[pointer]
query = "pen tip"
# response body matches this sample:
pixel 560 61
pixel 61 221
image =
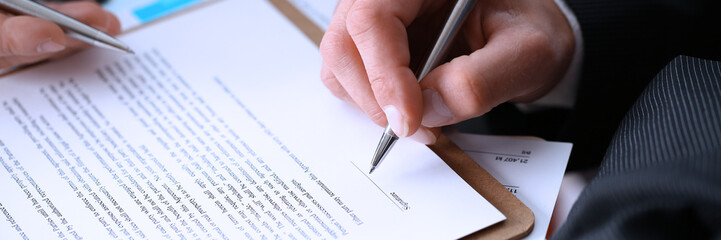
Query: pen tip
pixel 130 51
pixel 372 169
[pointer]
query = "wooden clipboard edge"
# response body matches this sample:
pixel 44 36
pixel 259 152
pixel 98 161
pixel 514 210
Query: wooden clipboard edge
pixel 308 27
pixel 519 218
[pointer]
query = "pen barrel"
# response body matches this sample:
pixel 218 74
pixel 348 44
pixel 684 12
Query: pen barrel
pixel 450 30
pixel 32 8
pixel 81 31
pixel 445 38
pixel 384 145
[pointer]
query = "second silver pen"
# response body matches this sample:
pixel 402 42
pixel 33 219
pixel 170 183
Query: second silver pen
pixel 78 30
pixel 450 29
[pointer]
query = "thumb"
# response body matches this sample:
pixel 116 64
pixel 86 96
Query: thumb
pixel 512 66
pixel 30 36
pixel 454 92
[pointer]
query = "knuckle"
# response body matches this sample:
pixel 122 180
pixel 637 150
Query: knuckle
pixel 478 104
pixel 333 85
pixel 361 19
pixel 473 90
pixel 540 44
pixel 377 116
pixel 331 44
pixel 379 83
pixel 333 54
pixel 10 45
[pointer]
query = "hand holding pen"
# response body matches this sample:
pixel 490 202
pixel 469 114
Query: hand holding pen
pixel 27 39
pixel 506 51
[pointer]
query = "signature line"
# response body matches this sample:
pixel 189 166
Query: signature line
pixel 379 188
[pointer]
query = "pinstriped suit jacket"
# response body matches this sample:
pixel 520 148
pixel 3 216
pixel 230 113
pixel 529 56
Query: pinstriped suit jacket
pixel 626 43
pixel 661 175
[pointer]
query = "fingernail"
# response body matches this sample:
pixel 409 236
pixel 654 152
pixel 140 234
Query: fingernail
pixel 425 136
pixel 48 46
pixel 396 120
pixel 435 111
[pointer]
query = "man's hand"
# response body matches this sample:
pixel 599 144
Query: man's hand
pixel 27 39
pixel 514 51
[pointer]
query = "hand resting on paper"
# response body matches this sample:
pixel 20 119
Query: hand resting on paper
pixel 27 39
pixel 506 51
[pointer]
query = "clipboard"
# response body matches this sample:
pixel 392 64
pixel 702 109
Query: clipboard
pixel 519 218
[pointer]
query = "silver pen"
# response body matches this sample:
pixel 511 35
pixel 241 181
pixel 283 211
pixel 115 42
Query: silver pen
pixel 450 29
pixel 78 30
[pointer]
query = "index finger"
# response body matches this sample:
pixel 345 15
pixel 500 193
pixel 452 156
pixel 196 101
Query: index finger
pixel 378 28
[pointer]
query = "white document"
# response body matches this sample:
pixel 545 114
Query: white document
pixel 218 128
pixel 531 169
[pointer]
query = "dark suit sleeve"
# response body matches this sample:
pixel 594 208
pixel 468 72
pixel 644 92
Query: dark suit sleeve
pixel 661 176
pixel 626 42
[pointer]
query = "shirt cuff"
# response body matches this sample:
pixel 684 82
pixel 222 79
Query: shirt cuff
pixel 563 95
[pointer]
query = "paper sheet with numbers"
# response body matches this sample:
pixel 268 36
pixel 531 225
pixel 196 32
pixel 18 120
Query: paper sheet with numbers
pixel 530 169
